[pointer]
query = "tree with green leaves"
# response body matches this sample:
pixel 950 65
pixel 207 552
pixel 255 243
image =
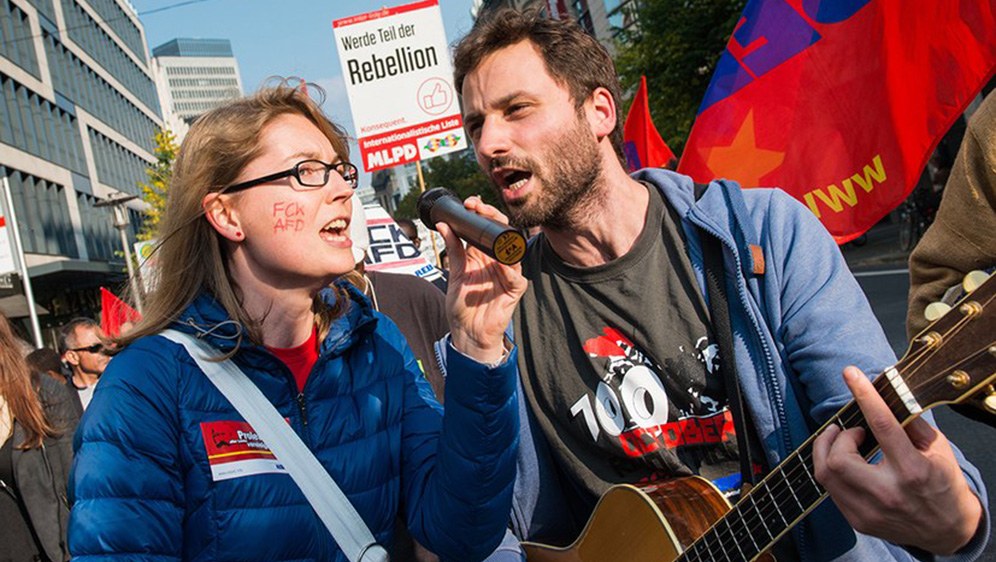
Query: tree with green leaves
pixel 155 189
pixel 459 173
pixel 676 44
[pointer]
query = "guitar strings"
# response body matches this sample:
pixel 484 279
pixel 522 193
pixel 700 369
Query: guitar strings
pixel 768 487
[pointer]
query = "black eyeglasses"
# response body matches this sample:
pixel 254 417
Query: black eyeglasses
pixel 95 348
pixel 310 175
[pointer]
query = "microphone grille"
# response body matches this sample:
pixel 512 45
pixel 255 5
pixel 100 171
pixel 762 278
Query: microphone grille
pixel 427 200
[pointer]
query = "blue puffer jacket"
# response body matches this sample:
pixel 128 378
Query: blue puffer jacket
pixel 796 327
pixel 142 481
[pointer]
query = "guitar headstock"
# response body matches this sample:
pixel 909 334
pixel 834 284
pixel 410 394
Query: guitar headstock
pixel 955 357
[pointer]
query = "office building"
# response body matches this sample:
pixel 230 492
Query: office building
pixel 194 76
pixel 78 115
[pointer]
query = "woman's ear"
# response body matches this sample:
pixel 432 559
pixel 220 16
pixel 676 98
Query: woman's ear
pixel 223 216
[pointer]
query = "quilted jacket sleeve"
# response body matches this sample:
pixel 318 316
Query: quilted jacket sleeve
pixel 457 484
pixel 126 481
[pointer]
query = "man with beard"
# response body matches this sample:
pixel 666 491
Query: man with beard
pixel 618 352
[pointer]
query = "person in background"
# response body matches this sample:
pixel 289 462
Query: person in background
pixel 444 261
pixel 620 354
pixel 962 237
pixel 255 240
pixel 46 361
pixel 83 348
pixel 414 304
pixel 36 429
pixel 410 231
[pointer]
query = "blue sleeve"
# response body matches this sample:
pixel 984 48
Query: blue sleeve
pixel 826 323
pixel 457 483
pixel 824 320
pixel 126 480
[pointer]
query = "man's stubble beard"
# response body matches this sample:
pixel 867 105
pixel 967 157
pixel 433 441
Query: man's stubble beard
pixel 570 178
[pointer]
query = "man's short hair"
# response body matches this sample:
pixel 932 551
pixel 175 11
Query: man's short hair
pixel 407 225
pixel 67 333
pixel 572 57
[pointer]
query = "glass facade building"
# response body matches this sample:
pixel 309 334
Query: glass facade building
pixel 194 76
pixel 78 114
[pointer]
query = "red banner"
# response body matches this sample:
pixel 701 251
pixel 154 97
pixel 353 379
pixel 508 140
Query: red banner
pixel 642 144
pixel 115 313
pixel 840 102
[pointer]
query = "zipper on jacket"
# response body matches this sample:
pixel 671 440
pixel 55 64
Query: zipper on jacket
pixel 438 352
pixel 769 382
pixel 302 406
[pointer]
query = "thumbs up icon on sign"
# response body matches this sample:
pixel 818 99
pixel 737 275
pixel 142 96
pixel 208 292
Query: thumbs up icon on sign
pixel 436 98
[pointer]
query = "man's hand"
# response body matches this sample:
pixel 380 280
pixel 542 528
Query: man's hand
pixel 482 292
pixel 916 496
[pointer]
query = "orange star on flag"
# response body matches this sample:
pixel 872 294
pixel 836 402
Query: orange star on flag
pixel 742 160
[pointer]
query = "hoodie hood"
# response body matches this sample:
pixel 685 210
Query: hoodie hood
pixel 714 209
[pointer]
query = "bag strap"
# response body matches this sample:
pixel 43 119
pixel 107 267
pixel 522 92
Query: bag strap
pixel 719 310
pixel 329 502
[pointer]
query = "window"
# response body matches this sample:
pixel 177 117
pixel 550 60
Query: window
pixel 117 166
pixel 76 81
pixel 87 33
pixel 6 116
pixel 15 37
pixel 43 215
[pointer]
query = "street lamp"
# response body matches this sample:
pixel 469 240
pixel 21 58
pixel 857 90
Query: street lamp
pixel 121 223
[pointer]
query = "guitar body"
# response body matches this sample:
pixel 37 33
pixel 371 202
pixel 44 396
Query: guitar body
pixel 649 524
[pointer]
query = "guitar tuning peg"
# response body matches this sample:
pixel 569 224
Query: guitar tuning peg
pixel 974 280
pixel 990 401
pixel 935 310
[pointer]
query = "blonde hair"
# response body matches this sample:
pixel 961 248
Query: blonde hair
pixel 191 256
pixel 17 391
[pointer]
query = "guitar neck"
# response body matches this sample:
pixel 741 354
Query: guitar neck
pixel 788 493
pixel 953 358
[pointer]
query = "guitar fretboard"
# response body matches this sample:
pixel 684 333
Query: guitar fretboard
pixel 788 493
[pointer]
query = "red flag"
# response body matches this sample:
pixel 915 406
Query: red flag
pixel 642 144
pixel 840 102
pixel 115 312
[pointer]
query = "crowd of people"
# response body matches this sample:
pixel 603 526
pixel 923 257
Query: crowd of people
pixel 43 393
pixel 648 309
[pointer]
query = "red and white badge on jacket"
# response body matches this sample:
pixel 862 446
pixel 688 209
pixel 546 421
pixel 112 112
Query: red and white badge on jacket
pixel 234 450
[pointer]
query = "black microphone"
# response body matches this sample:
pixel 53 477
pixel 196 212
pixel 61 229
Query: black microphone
pixel 495 239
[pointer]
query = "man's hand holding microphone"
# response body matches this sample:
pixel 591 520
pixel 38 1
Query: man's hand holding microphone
pixel 485 282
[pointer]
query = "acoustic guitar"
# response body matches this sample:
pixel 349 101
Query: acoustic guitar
pixel 687 519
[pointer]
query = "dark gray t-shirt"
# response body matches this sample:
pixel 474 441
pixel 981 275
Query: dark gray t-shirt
pixel 620 365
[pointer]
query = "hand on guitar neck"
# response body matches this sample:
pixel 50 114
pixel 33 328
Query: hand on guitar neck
pixel 917 495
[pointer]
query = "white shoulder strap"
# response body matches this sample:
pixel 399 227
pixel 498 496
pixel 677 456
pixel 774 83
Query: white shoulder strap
pixel 331 505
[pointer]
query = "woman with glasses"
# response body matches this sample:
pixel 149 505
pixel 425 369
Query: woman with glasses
pixel 36 428
pixel 253 240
